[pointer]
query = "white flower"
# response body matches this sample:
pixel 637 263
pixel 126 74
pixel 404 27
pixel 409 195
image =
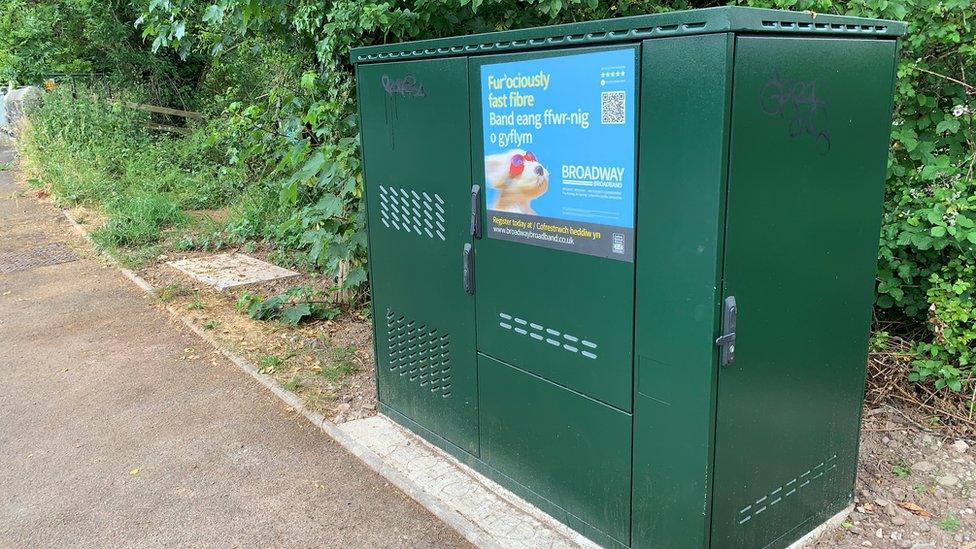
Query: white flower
pixel 960 110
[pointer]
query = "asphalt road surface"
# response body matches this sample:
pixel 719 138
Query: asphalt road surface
pixel 118 427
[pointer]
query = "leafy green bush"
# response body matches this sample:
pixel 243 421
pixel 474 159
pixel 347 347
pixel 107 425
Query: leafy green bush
pixel 291 307
pixel 96 153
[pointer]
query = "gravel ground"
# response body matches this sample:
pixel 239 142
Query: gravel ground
pixel 915 488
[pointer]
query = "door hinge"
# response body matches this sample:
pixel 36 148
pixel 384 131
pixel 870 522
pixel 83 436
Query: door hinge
pixel 726 341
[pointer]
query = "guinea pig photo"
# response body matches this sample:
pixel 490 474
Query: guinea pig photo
pixel 518 178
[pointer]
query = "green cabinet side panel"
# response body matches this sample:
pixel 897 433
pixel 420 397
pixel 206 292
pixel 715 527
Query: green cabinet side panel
pixel 811 120
pixel 568 448
pixel 414 119
pixel 683 150
pixel 589 297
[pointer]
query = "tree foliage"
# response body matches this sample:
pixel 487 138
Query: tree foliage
pixel 296 127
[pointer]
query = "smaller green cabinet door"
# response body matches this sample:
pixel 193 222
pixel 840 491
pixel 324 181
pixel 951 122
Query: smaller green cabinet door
pixel 568 448
pixel 810 127
pixel 414 119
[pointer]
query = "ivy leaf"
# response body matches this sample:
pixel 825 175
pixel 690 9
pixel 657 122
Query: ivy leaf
pixel 214 14
pixel 308 80
pixel 355 277
pixel 159 42
pixel 179 30
pixel 294 314
pixel 329 205
pixel 938 231
pixel 950 125
pixel 288 196
pixel 311 167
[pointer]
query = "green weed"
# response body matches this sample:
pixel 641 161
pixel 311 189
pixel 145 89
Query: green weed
pixel 950 523
pixel 292 384
pixel 138 220
pixel 171 291
pixel 270 363
pixel 338 361
pixel 291 307
pixel 901 469
pixel 197 303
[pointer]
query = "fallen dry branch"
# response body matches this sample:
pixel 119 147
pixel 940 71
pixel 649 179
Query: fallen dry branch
pixel 887 382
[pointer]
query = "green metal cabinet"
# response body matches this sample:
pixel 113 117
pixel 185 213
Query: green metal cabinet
pixel 665 349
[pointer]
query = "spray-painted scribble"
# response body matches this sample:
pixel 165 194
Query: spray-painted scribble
pixel 798 103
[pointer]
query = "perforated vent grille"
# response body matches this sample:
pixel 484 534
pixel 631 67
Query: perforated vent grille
pixel 412 212
pixel 419 352
pixel 824 27
pixel 783 492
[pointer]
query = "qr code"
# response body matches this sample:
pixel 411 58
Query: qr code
pixel 613 107
pixel 618 243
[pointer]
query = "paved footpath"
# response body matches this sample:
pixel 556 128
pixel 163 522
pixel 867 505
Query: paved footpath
pixel 95 384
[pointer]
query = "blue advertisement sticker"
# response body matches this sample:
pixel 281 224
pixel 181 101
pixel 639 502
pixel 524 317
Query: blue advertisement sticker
pixel 559 144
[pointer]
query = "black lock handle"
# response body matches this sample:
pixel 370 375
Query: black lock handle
pixel 476 211
pixel 467 269
pixel 726 341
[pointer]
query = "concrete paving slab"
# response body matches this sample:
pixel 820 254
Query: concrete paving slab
pixel 224 271
pixel 506 519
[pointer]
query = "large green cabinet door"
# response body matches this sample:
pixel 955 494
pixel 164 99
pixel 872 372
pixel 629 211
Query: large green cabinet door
pixel 553 146
pixel 416 143
pixel 810 127
pixel 563 312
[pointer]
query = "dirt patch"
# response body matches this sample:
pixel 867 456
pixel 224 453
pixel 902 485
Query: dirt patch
pixel 915 487
pixel 329 364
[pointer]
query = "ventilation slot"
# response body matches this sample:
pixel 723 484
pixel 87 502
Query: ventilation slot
pixel 420 353
pixel 823 27
pixel 784 492
pixel 548 335
pixel 405 210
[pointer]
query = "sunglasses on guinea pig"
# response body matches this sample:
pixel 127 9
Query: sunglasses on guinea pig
pixel 517 165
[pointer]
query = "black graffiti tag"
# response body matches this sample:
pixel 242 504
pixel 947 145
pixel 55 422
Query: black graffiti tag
pixel 798 103
pixel 407 85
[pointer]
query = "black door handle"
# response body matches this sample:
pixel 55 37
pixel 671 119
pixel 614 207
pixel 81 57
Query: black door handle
pixel 467 269
pixel 476 211
pixel 726 341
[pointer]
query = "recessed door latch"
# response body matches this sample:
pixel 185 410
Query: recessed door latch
pixel 476 211
pixel 726 341
pixel 467 268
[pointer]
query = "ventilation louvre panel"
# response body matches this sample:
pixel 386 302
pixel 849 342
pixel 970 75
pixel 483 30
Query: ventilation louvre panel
pixel 420 353
pixel 419 213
